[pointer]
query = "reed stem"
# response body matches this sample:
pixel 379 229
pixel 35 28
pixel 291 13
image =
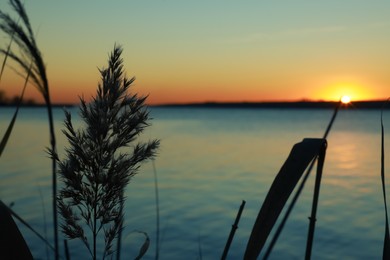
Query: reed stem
pixel 320 165
pixel 386 244
pixel 54 173
pixel 67 255
pixel 300 188
pixel 119 240
pixel 157 212
pixel 233 231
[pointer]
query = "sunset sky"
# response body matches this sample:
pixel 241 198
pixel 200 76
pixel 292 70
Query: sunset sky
pixel 195 51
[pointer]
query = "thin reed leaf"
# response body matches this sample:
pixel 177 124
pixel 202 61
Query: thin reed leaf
pixel 233 230
pixel 28 51
pixel 66 248
pixel 300 188
pixel 44 219
pixel 200 254
pixel 386 244
pixel 15 215
pixel 157 211
pixel 13 245
pixel 313 216
pixel 8 132
pixel 6 57
pixel 300 157
pixel 26 44
pixel 145 246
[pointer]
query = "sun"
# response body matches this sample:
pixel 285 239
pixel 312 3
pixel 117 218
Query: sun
pixel 345 99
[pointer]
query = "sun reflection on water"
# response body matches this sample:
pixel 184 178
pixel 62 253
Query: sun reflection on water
pixel 351 161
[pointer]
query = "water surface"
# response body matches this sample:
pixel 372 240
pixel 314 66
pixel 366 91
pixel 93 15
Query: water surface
pixel 210 160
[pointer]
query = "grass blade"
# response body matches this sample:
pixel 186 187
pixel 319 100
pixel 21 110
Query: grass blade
pixel 13 245
pixel 300 157
pixel 233 230
pixel 320 166
pixel 144 248
pixel 44 219
pixel 11 212
pixel 386 244
pixel 66 248
pixel 157 211
pixel 200 248
pixel 300 188
pixel 7 134
pixel 6 56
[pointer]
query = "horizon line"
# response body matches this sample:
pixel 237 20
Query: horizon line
pixel 290 103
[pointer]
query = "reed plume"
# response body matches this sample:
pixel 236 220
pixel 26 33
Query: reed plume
pixel 101 159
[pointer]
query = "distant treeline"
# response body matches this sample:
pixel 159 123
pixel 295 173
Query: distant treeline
pixel 6 101
pixel 282 105
pixel 9 102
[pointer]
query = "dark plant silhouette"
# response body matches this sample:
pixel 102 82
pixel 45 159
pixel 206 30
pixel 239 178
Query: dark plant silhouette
pixel 300 157
pixel 386 243
pixel 29 58
pixel 102 158
pixel 300 187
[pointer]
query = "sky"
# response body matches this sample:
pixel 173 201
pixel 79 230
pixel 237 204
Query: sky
pixel 217 50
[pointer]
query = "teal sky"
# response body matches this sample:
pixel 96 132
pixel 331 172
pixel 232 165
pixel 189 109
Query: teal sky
pixel 190 51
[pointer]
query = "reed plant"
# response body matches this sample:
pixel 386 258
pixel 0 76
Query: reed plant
pixel 102 157
pixel 29 58
pixel 386 242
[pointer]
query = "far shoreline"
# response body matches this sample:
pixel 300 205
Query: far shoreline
pixel 281 105
pixel 240 105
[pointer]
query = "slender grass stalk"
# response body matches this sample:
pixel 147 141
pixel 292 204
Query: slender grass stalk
pixel 386 244
pixel 301 155
pixel 44 219
pixel 8 132
pixel 157 211
pixel 28 51
pixel 144 248
pixel 67 254
pixel 233 230
pixel 336 110
pixel 6 56
pixel 312 218
pixel 200 247
pixel 119 239
pixel 300 188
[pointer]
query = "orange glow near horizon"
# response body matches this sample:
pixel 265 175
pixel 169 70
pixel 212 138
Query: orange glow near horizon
pixel 354 90
pixel 166 96
pixel 160 92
